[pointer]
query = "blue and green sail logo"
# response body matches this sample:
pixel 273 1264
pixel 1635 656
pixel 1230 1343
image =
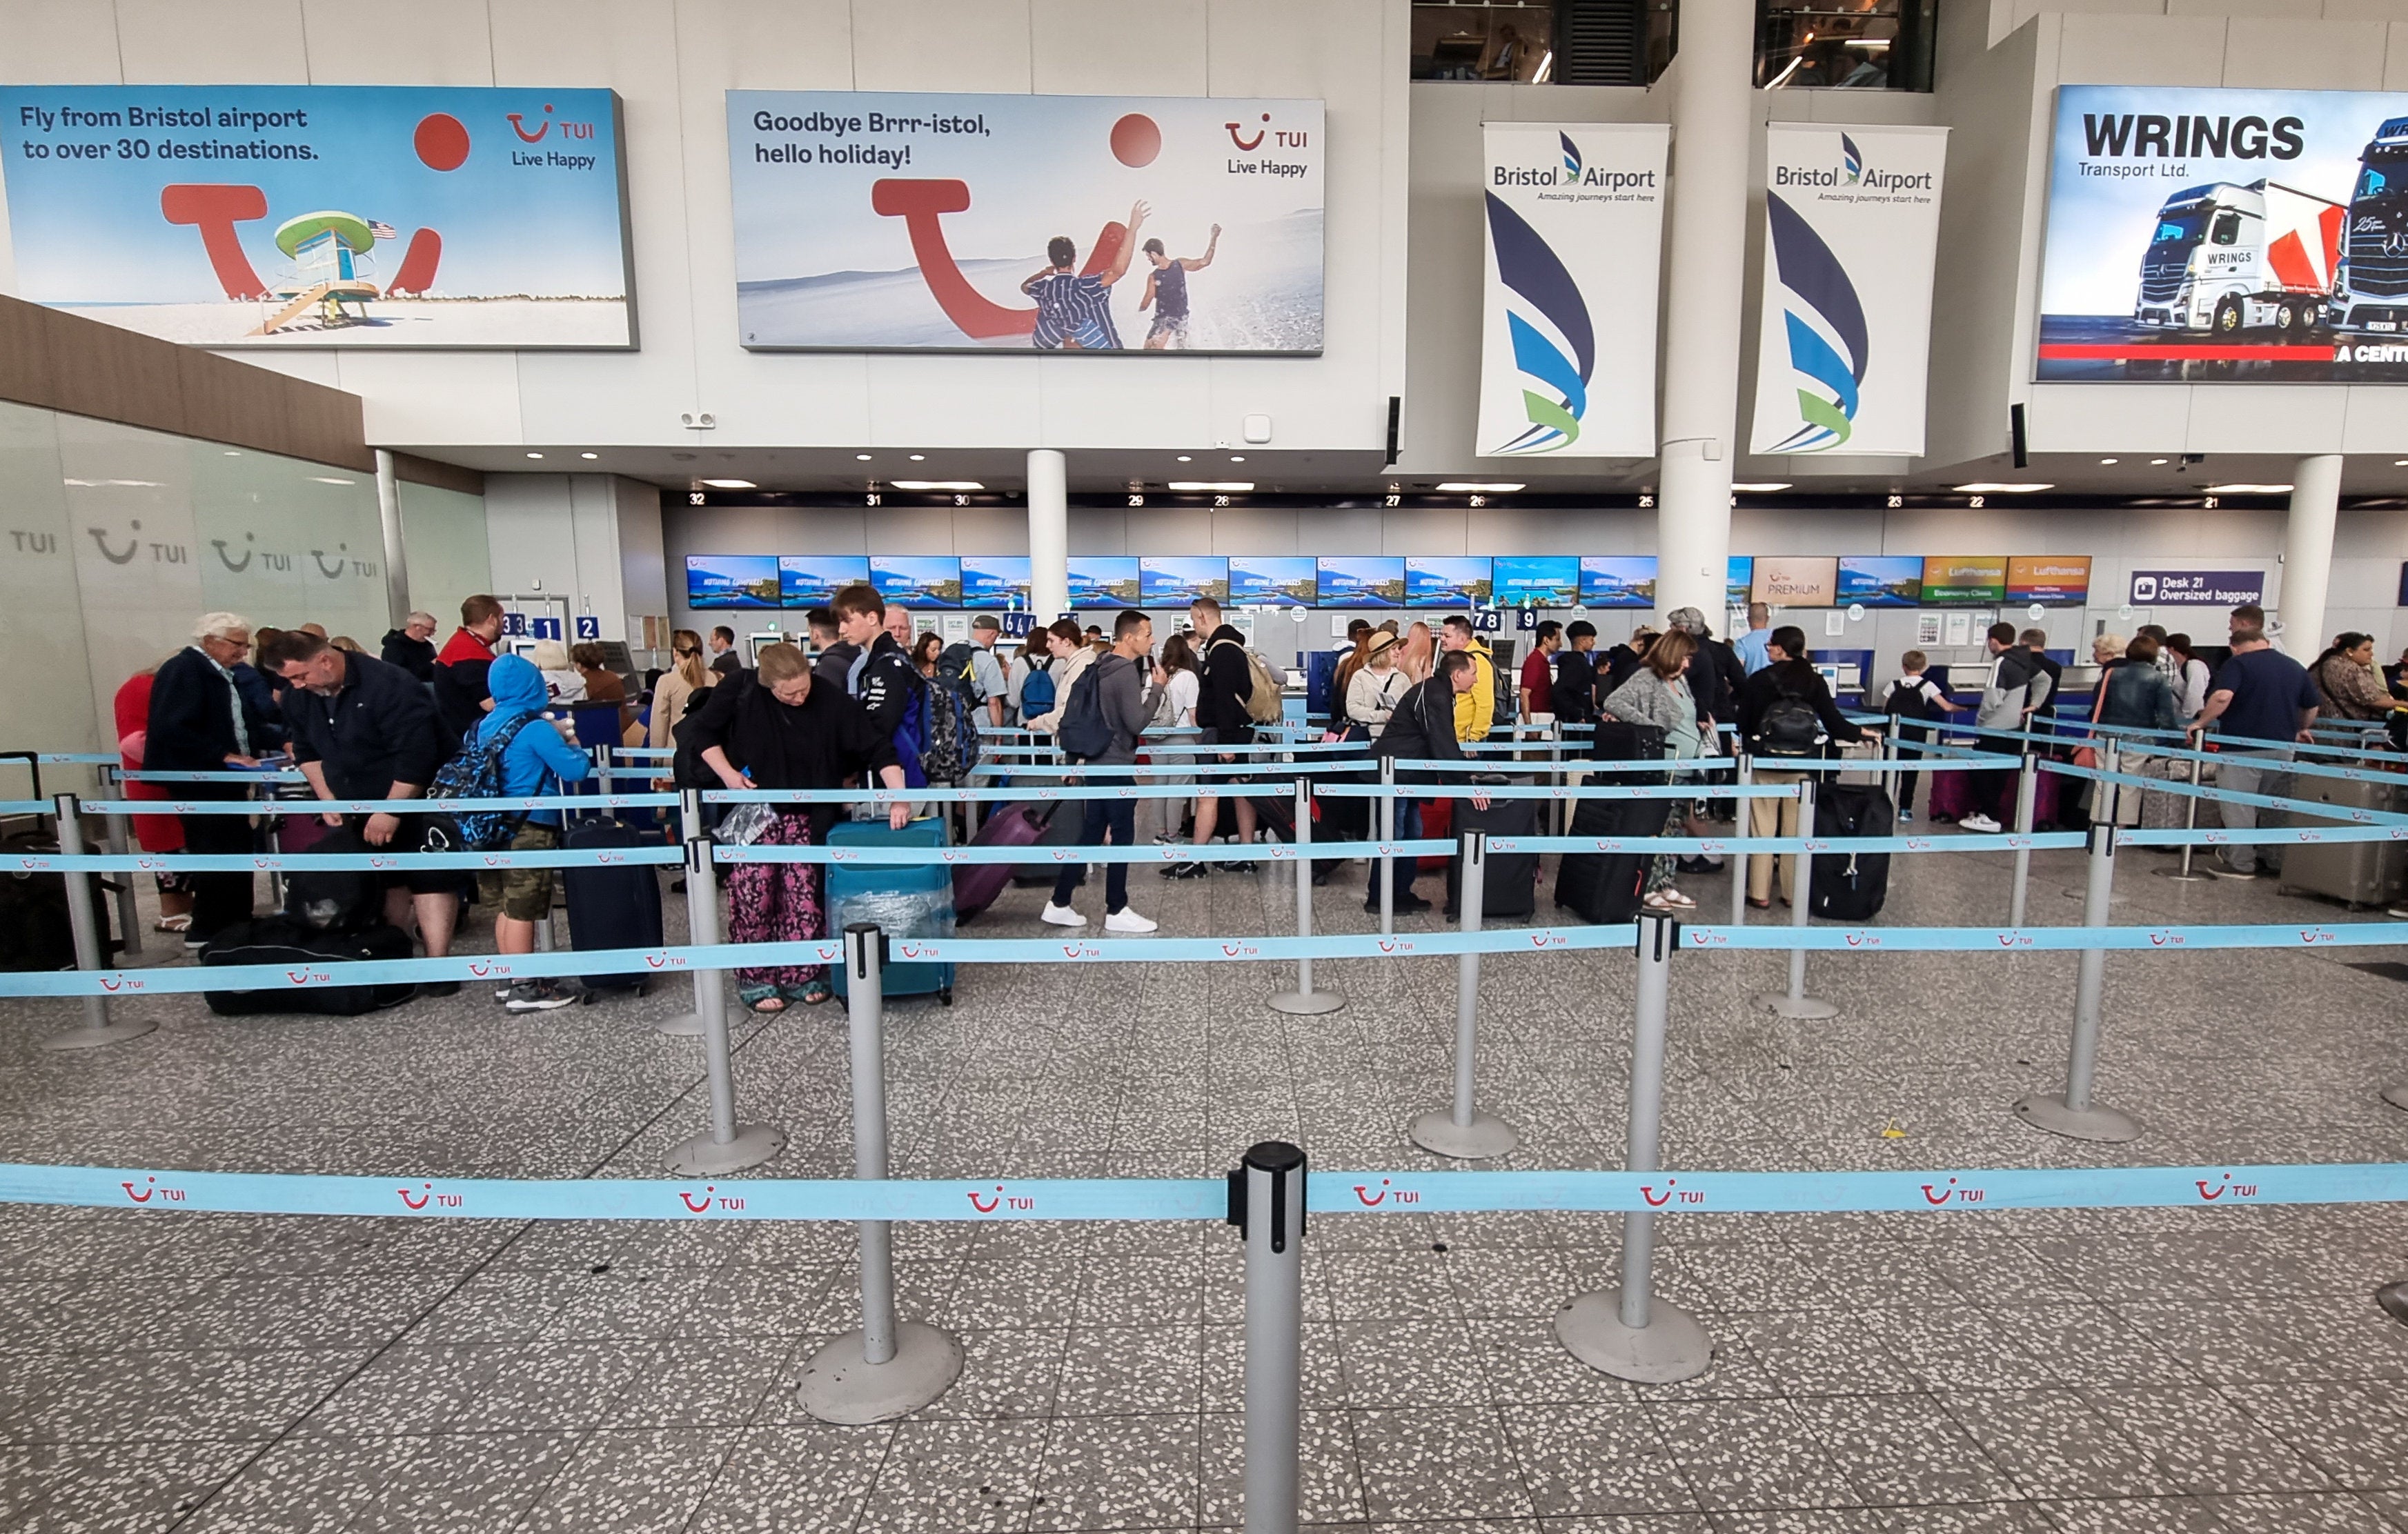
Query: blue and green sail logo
pixel 1854 157
pixel 1554 344
pixel 1824 322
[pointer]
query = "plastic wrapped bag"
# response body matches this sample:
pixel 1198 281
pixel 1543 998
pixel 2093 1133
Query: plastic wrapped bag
pixel 922 912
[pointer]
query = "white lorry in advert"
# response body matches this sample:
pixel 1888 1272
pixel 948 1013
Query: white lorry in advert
pixel 2229 258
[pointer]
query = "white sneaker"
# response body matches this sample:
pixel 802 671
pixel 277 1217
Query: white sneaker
pixel 1062 916
pixel 1125 919
pixel 1982 823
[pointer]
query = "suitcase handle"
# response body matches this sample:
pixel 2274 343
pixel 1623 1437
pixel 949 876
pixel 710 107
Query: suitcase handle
pixel 32 760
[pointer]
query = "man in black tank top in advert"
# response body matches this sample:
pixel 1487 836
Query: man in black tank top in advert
pixel 1165 293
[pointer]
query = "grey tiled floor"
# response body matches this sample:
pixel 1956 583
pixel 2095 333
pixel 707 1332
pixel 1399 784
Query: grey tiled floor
pixel 2136 1371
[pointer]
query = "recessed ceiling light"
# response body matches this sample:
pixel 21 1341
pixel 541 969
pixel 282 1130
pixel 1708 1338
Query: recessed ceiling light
pixel 1992 487
pixel 1762 486
pixel 1190 457
pixel 1211 484
pixel 1501 487
pixel 233 452
pixel 919 457
pixel 2158 463
pixel 1236 458
pixel 861 458
pixel 535 455
pixel 121 484
pixel 2111 460
pixel 589 457
pixel 938 485
pixel 330 479
pixel 2249 489
pixel 2400 462
pixel 731 484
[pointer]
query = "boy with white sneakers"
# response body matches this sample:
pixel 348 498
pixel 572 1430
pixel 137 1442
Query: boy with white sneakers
pixel 1108 707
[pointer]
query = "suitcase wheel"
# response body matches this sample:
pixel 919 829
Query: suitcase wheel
pixel 945 996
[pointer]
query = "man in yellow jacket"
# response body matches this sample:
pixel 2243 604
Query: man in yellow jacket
pixel 1474 710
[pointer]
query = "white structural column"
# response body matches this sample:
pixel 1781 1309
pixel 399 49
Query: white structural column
pixel 1049 534
pixel 1713 118
pixel 2307 555
pixel 397 564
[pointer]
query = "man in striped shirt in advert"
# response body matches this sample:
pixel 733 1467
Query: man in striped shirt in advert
pixel 1075 312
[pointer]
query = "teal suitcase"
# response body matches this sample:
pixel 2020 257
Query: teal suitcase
pixel 906 901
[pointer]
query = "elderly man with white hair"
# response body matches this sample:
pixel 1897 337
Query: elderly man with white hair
pixel 197 725
pixel 411 646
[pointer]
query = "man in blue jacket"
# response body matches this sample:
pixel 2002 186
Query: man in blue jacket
pixel 534 755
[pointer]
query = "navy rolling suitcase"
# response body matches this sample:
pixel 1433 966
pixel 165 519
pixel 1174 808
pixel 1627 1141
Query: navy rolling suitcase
pixel 614 907
pixel 907 900
pixel 1605 887
pixel 1509 886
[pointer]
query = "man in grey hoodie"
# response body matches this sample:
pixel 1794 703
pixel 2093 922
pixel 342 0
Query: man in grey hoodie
pixel 2018 685
pixel 1120 687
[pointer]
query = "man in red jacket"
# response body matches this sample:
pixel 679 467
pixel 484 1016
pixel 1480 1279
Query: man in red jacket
pixel 462 698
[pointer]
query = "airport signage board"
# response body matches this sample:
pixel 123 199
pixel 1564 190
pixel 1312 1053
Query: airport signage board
pixel 2052 580
pixel 2197 587
pixel 1962 580
pixel 2206 234
pixel 1851 223
pixel 1879 580
pixel 1792 580
pixel 1574 215
pixel 234 215
pixel 882 221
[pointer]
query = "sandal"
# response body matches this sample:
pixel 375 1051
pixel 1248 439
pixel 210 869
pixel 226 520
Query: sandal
pixel 174 924
pixel 816 992
pixel 762 1000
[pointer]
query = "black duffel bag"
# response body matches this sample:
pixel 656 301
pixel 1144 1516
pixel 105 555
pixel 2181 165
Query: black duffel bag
pixel 300 949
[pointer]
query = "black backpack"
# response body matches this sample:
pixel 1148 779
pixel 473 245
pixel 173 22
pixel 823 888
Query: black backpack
pixel 336 899
pixel 1906 701
pixel 1789 728
pixel 1082 731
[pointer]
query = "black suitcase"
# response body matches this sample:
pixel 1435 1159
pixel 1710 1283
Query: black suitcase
pixel 335 900
pixel 1616 741
pixel 296 946
pixel 1605 887
pixel 35 931
pixel 1850 886
pixel 1509 887
pixel 613 907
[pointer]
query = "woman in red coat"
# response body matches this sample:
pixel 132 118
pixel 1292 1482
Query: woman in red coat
pixel 152 832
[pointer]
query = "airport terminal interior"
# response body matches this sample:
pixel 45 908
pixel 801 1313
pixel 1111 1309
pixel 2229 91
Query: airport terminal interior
pixel 1679 806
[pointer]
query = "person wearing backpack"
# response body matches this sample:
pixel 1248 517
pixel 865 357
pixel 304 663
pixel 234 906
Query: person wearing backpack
pixel 1028 686
pixel 1107 710
pixel 1915 703
pixel 1784 710
pixel 1224 717
pixel 882 678
pixel 529 760
pixel 1072 659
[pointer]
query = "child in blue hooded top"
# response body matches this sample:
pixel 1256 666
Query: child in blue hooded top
pixel 536 763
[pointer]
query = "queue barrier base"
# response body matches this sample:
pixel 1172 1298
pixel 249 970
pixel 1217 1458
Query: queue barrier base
pixel 841 1386
pixel 1797 1008
pixel 1669 1348
pixel 705 1157
pixel 2397 1096
pixel 685 1025
pixel 1485 1136
pixel 2047 1111
pixel 94 1035
pixel 1304 1003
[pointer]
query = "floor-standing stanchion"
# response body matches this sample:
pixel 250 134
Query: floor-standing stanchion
pixel 2397 1096
pixel 1557 814
pixel 1267 1205
pixel 888 1366
pixel 726 1146
pixel 1462 1130
pixel 606 776
pixel 701 916
pixel 100 1024
pixel 129 910
pixel 2071 1112
pixel 1626 1332
pixel 2026 790
pixel 1742 778
pixel 1304 1001
pixel 1795 1003
pixel 2191 827
pixel 1387 865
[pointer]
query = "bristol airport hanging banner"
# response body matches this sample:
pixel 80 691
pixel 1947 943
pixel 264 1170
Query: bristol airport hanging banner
pixel 1575 216
pixel 2204 236
pixel 871 221
pixel 322 215
pixel 1852 219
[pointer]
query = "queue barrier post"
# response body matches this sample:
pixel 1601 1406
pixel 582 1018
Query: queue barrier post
pixel 1462 1130
pixel 886 1367
pixel 1304 1001
pixel 1743 777
pixel 1387 864
pixel 2027 790
pixel 727 1145
pixel 129 910
pixel 2071 1112
pixel 1626 1331
pixel 101 1025
pixel 1267 1205
pixel 2190 824
pixel 1793 1003
pixel 701 916
pixel 1558 812
pixel 606 776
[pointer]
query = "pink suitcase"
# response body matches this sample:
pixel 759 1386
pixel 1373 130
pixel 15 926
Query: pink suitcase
pixel 975 886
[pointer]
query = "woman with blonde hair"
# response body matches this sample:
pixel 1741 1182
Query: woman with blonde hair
pixel 673 696
pixel 1418 654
